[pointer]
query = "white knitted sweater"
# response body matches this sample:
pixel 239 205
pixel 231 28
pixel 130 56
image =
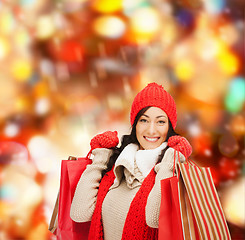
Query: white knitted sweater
pixel 131 167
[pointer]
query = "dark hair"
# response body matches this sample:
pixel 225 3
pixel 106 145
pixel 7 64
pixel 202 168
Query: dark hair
pixel 131 138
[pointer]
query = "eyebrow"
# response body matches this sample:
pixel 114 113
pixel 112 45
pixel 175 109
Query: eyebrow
pixel 156 117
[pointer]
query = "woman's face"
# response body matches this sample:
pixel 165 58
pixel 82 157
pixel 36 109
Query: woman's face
pixel 152 128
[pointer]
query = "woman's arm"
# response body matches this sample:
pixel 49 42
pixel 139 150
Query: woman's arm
pixel 85 197
pixel 164 170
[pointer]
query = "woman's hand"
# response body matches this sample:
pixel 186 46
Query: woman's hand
pixel 104 140
pixel 180 144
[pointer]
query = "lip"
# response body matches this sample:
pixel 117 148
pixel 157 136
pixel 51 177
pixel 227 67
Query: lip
pixel 151 139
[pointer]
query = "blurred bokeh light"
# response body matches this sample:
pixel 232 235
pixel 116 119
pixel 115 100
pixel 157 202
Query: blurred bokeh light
pixel 69 69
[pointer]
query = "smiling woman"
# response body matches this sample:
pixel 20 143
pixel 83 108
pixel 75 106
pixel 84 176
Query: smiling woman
pixel 152 128
pixel 122 185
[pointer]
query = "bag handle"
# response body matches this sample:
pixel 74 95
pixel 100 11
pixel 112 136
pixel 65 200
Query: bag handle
pixel 87 157
pixel 188 161
pixel 54 219
pixel 89 154
pixel 176 163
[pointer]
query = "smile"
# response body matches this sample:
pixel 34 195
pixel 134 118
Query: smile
pixel 151 139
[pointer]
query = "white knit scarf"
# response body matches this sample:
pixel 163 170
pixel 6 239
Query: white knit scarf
pixel 145 159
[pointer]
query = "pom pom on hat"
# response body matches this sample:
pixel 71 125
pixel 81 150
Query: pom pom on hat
pixel 154 95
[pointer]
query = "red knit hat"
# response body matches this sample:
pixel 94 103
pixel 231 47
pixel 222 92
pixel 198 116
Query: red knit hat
pixel 154 95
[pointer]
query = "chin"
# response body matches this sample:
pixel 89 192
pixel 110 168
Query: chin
pixel 149 147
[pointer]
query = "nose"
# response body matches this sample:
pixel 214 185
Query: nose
pixel 152 128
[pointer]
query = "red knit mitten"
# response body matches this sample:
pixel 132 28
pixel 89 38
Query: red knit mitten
pixel 104 140
pixel 180 144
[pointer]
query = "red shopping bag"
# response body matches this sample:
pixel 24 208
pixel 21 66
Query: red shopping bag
pixel 62 225
pixel 175 220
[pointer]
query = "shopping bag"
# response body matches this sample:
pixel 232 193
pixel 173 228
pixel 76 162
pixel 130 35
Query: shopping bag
pixel 204 201
pixel 61 224
pixel 175 220
pixel 190 206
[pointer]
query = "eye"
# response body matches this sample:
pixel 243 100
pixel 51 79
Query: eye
pixel 142 120
pixel 161 122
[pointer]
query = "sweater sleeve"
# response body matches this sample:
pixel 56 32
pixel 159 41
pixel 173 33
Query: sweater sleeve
pixel 164 169
pixel 85 196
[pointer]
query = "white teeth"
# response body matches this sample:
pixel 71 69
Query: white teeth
pixel 151 139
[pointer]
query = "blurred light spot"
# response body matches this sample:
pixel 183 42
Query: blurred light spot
pixel 8 193
pixel 22 103
pixel 237 125
pixel 235 97
pixel 72 6
pixel 228 62
pixel 81 136
pixel 11 130
pixel 6 21
pixel 22 38
pixel 229 33
pixel 59 20
pixel 93 79
pixel 215 6
pixel 4 48
pixel 228 145
pixel 78 1
pixel 51 186
pixel 43 153
pixel 62 71
pixel 27 197
pixel 13 153
pixel 113 66
pixel 32 195
pixel 47 67
pixel 107 6
pixel 168 34
pixel 115 102
pixel 208 153
pixel 127 87
pixel 109 26
pixel 130 6
pixel 41 89
pixel 184 70
pixel 45 27
pixel 194 130
pixel 69 51
pixel 202 143
pixel 19 222
pixel 42 106
pixel 233 200
pixel 25 3
pixel 208 48
pixel 145 23
pixel 21 70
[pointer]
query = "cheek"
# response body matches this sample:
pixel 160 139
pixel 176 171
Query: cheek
pixel 138 132
pixel 164 132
